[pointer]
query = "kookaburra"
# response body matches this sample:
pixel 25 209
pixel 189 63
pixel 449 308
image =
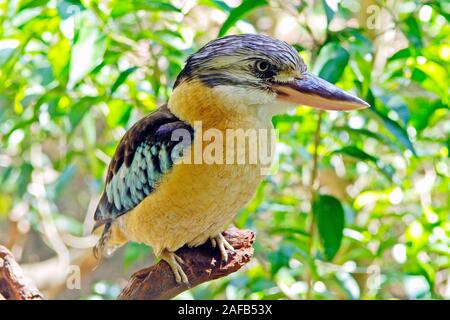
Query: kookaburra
pixel 235 82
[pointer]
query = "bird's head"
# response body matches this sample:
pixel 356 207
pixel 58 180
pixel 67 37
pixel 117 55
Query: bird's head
pixel 257 71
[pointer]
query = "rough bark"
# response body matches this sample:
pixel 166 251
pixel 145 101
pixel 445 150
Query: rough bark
pixel 13 283
pixel 201 264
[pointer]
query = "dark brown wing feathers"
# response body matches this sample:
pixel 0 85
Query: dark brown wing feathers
pixel 143 155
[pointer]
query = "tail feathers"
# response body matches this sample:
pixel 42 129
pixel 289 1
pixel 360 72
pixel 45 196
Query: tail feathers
pixel 111 239
pixel 101 215
pixel 103 241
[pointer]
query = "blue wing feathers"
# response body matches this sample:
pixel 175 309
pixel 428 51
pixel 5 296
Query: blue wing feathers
pixel 142 157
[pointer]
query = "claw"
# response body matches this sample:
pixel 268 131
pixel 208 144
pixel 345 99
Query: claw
pixel 223 245
pixel 175 263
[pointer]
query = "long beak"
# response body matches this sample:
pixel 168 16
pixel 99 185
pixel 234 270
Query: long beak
pixel 316 92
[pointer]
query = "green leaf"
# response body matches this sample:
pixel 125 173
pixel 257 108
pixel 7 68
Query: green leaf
pixel 398 131
pixel 287 118
pixel 239 12
pixel 87 51
pixel 396 103
pixel 29 4
pixel 281 256
pixel 443 7
pixel 7 50
pixel 331 62
pixel 375 135
pixel 357 153
pixel 121 79
pixel 59 57
pixel 124 7
pixel 216 4
pixel 63 180
pixel 24 178
pixel 287 230
pixel 79 109
pixel 119 113
pixel 412 32
pixel 401 54
pixel 418 75
pixel 330 221
pixel 328 12
pixel 422 109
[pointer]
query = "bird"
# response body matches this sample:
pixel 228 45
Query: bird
pixel 153 195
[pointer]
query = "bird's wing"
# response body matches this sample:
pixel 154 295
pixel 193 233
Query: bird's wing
pixel 146 152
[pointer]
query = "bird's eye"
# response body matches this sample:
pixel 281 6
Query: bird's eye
pixel 264 69
pixel 262 66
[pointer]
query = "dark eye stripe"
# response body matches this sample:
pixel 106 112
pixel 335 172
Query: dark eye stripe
pixel 246 49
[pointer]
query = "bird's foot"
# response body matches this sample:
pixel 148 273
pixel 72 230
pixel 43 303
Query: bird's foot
pixel 222 243
pixel 175 263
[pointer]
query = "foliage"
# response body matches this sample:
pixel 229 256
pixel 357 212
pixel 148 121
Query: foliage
pixel 74 75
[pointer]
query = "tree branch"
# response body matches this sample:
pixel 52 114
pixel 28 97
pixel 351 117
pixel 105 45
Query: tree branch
pixel 201 264
pixel 13 283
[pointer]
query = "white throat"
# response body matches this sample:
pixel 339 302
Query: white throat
pixel 264 105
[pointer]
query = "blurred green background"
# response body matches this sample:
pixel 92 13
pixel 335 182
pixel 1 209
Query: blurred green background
pixel 75 75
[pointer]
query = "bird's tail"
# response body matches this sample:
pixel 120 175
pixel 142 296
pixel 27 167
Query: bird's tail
pixel 111 238
pixel 103 241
